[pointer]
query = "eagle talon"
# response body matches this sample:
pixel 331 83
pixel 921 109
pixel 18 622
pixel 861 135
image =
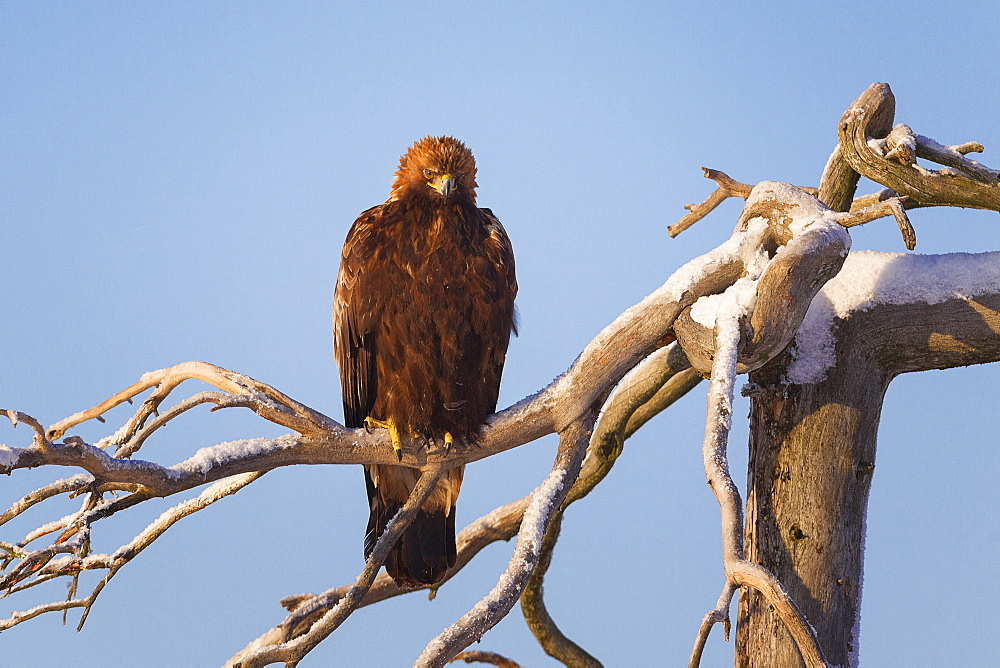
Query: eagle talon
pixel 390 426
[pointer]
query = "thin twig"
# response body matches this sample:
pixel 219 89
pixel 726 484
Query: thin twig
pixel 727 188
pixel 491 658
pixel 17 417
pixel 890 207
pixel 64 486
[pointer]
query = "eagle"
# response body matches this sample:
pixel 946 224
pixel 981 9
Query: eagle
pixel 423 312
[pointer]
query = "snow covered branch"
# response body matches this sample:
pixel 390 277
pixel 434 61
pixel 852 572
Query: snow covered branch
pixel 582 389
pixel 545 502
pixel 650 388
pixel 736 305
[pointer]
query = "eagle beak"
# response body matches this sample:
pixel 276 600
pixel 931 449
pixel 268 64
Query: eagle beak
pixel 444 184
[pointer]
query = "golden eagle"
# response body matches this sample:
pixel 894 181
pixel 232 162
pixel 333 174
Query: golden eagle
pixel 423 312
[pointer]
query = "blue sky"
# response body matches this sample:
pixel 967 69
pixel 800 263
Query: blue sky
pixel 176 183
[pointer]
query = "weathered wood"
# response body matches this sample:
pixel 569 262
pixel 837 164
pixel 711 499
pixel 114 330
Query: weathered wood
pixel 840 180
pixel 812 456
pixel 862 122
pixel 812 250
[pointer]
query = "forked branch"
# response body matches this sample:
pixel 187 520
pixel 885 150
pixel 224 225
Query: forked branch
pixel 292 651
pixel 735 307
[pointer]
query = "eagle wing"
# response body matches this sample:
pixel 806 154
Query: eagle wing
pixel 355 317
pixel 500 254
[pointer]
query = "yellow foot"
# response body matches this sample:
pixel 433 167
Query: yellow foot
pixel 448 441
pixel 390 426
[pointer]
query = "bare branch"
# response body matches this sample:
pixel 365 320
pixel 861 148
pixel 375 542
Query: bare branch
pixel 652 386
pixel 727 188
pixel 17 417
pixel 890 207
pixel 555 643
pixel 291 652
pixel 128 448
pixel 485 657
pixel 717 615
pixel 840 180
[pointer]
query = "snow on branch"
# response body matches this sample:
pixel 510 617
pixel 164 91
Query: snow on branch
pixel 545 502
pixel 581 390
pixel 870 146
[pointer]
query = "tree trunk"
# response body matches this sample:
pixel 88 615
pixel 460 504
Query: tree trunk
pixel 812 455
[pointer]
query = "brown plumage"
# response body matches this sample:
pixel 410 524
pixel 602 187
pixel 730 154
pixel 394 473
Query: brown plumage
pixel 423 311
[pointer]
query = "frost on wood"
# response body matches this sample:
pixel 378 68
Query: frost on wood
pixel 8 457
pixel 543 504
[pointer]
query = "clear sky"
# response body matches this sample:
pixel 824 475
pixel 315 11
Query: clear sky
pixel 176 181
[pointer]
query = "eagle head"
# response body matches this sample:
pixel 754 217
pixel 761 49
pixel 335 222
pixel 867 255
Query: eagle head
pixel 437 168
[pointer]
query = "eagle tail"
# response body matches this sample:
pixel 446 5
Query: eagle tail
pixel 424 552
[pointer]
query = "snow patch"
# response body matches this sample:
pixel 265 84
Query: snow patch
pixel 877 145
pixel 871 279
pixel 706 310
pixel 540 508
pixel 8 457
pixel 206 459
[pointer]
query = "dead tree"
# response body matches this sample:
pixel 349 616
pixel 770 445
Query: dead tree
pixel 777 300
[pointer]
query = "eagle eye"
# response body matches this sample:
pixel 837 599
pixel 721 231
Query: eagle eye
pixel 428 173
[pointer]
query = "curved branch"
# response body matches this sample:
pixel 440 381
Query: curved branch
pixel 486 657
pixel 651 387
pixel 727 188
pixel 64 486
pixel 860 125
pixel 542 626
pixel 17 417
pixel 802 246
